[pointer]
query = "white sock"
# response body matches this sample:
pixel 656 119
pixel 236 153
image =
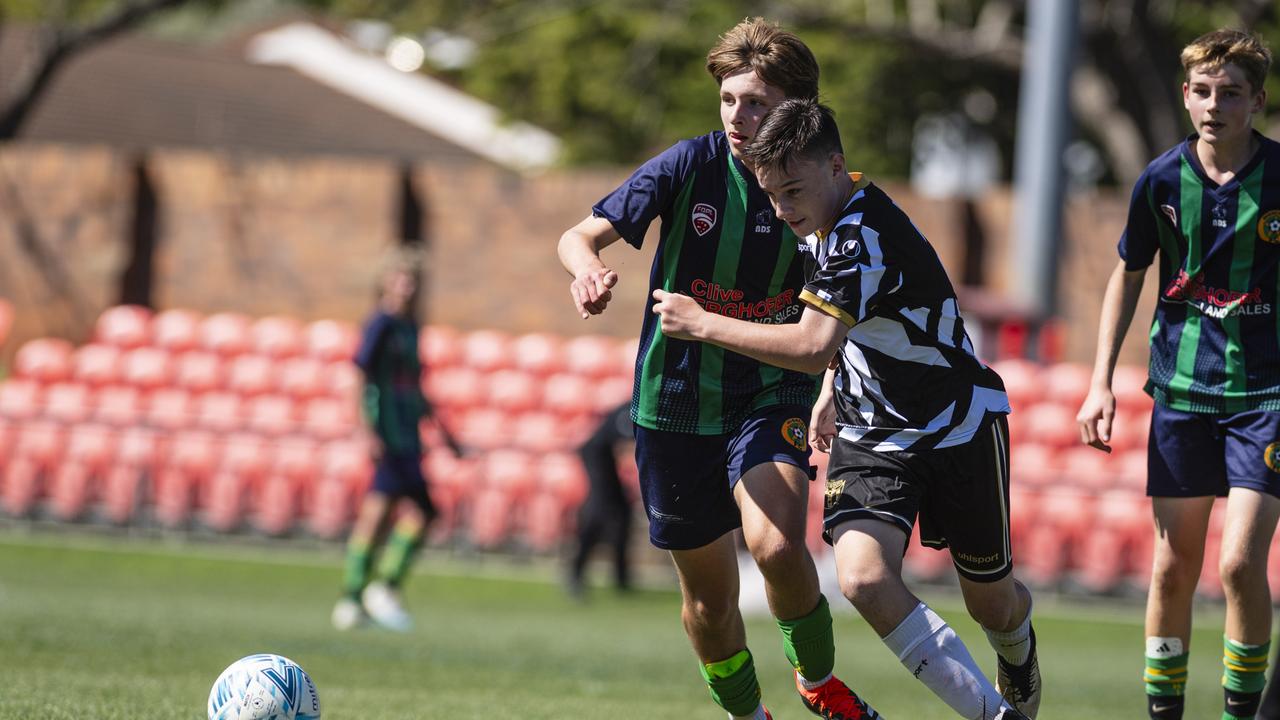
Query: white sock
pixel 931 651
pixel 1014 646
pixel 757 715
pixel 808 684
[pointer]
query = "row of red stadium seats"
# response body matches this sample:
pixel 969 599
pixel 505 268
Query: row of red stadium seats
pixel 1066 384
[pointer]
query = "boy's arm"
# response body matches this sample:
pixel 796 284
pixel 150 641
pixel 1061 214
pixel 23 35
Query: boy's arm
pixel 822 421
pixel 1099 408
pixel 806 346
pixel 579 251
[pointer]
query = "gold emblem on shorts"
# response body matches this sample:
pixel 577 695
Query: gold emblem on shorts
pixel 1271 456
pixel 1269 226
pixel 794 432
pixel 835 488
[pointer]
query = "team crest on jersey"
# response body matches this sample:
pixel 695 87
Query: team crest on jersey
pixel 1269 226
pixel 704 218
pixel 794 432
pixel 835 488
pixel 850 248
pixel 764 221
pixel 1271 456
pixel 1170 213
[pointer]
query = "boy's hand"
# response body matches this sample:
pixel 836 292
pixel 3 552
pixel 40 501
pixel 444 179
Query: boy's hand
pixel 591 290
pixel 822 423
pixel 1095 418
pixel 680 314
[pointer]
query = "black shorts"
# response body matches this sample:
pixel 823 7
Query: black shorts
pixel 960 493
pixel 399 475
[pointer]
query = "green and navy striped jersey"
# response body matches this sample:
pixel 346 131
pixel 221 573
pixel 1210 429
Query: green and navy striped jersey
pixel 393 399
pixel 1215 338
pixel 720 244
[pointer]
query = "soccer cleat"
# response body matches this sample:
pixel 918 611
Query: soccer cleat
pixel 1010 714
pixel 347 614
pixel 1020 684
pixel 383 605
pixel 834 700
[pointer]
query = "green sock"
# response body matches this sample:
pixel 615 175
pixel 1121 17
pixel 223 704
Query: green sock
pixel 1166 677
pixel 733 683
pixel 809 642
pixel 397 556
pixel 1243 677
pixel 356 570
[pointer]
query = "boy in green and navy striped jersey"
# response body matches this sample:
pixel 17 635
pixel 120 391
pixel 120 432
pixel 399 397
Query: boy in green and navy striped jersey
pixel 1210 208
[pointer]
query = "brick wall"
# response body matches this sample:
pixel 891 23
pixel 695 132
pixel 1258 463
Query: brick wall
pixel 306 236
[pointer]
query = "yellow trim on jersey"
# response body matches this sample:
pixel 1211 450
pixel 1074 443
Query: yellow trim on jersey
pixel 818 303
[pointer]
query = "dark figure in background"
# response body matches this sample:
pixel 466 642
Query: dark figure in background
pixel 606 513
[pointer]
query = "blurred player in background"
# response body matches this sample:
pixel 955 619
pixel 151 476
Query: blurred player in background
pixel 1211 208
pixel 393 407
pixel 720 437
pixel 914 422
pixel 606 513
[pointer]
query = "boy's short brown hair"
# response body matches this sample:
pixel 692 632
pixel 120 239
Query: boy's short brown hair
pixel 779 57
pixel 1215 49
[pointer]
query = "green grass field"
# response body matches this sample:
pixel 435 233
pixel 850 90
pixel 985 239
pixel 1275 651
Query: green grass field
pixel 138 630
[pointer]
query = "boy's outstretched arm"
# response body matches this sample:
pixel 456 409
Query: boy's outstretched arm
pixel 579 252
pixel 806 346
pixel 1098 411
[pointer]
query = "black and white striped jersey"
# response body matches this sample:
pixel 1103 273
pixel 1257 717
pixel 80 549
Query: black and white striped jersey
pixel 908 377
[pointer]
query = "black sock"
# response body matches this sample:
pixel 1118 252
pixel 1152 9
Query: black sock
pixel 1165 707
pixel 1241 704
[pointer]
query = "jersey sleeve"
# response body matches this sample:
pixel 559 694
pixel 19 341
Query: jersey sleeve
pixel 370 339
pixel 854 279
pixel 1140 239
pixel 649 192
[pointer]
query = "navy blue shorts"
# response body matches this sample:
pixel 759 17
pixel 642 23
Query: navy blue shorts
pixel 1200 454
pixel 399 475
pixel 687 481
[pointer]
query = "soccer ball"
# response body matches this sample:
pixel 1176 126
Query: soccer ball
pixel 264 687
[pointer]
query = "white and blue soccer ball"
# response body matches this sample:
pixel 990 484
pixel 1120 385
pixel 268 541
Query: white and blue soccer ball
pixel 264 687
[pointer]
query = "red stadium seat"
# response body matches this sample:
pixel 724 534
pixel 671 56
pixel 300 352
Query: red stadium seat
pixel 67 402
pixel 439 346
pixel 563 474
pixel 547 523
pixel 191 461
pixel 19 486
pixel 96 364
pixel 1033 465
pixel 344 380
pixel 276 336
pixel 242 465
pixel 121 484
pixel 1053 543
pixel 45 360
pixel 1067 384
pixel 925 563
pixel 271 415
pixel 328 419
pixel 1052 424
pixel 1131 469
pixel 331 505
pixel 513 390
pixel 1127 384
pixel 6 320
pixel 1089 468
pixel 485 429
pixel 177 331
pixel 1023 381
pixel 198 371
pixel 251 374
pixel 170 409
pixel 146 367
pixel 612 392
pixel 295 457
pixel 627 350
pixel 301 378
pixel 275 504
pixel 489 521
pixel 225 333
pixel 591 355
pixel 70 487
pixel 125 326
pixel 1130 429
pixel 1112 550
pixel 330 340
pixel 455 388
pixel 20 399
pixel 538 353
pixel 487 350
pixel 569 395
pixel 512 471
pixel 118 405
pixel 219 411
pixel 541 432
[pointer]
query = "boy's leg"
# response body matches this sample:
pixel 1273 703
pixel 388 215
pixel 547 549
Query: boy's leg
pixel 869 564
pixel 1246 541
pixel 1180 526
pixel 709 609
pixel 373 512
pixel 1003 609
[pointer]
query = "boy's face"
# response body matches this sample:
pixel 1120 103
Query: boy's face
pixel 744 100
pixel 1221 103
pixel 807 194
pixel 398 287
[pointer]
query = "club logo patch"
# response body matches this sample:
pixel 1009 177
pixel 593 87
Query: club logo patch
pixel 794 432
pixel 704 218
pixel 1269 226
pixel 1271 456
pixel 835 488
